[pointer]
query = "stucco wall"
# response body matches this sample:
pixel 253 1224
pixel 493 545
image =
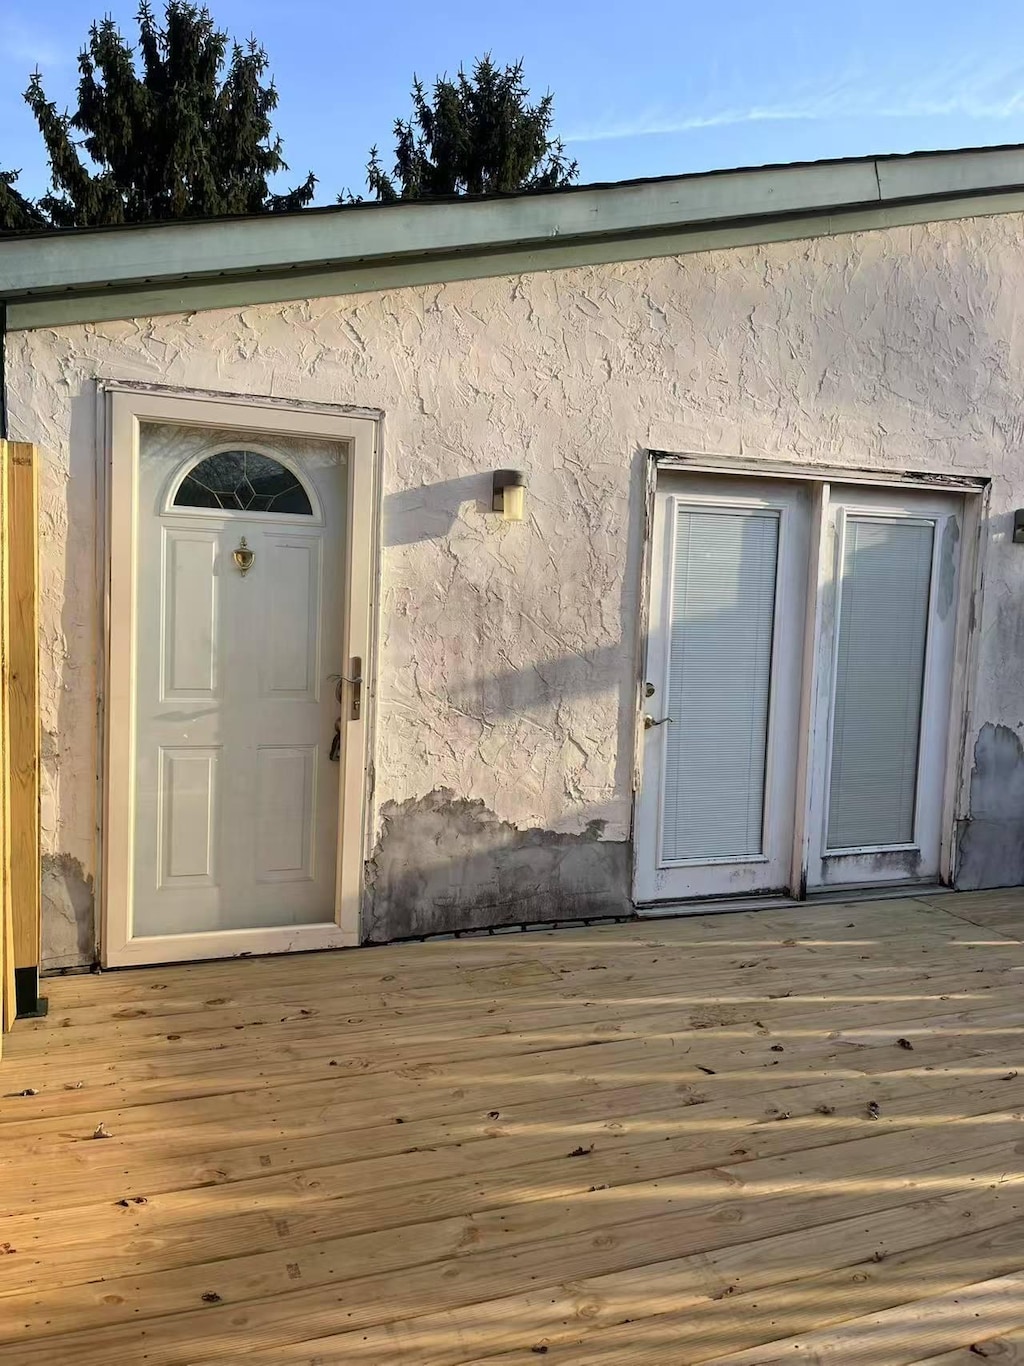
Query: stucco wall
pixel 507 651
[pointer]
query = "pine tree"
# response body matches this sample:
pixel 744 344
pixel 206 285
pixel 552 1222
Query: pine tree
pixel 17 214
pixel 476 135
pixel 184 134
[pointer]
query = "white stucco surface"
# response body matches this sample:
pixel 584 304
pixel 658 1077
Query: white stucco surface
pixel 508 652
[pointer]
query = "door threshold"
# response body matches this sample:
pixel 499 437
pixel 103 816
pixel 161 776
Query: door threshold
pixel 828 896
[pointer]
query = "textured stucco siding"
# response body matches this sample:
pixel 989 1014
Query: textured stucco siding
pixel 507 652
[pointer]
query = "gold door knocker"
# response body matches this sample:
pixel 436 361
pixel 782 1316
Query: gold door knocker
pixel 243 557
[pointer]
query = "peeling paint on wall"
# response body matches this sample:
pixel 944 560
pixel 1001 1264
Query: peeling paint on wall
pixel 991 850
pixel 443 863
pixel 68 913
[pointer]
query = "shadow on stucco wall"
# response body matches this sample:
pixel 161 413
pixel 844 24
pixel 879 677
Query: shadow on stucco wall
pixel 429 512
pixel 444 860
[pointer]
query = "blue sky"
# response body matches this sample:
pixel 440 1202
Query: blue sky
pixel 646 88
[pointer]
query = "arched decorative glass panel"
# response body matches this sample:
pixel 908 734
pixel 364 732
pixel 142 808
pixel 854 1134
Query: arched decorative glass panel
pixel 243 481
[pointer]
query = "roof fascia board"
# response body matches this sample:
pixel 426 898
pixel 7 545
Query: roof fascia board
pixel 234 292
pixel 279 243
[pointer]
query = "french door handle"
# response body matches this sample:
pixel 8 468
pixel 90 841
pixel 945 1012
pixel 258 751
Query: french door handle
pixel 650 723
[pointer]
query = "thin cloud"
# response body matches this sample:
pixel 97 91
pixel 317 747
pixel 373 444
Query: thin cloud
pixel 989 94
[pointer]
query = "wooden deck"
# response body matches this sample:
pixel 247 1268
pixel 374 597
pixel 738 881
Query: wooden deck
pixel 748 1138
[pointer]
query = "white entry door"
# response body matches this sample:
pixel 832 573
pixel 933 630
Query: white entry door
pixel 716 808
pixel 239 597
pixel 798 687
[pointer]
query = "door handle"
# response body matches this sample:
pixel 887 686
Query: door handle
pixel 355 681
pixel 650 723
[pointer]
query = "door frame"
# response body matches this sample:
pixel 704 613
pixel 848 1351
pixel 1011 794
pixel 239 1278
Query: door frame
pixel 126 406
pixel 975 491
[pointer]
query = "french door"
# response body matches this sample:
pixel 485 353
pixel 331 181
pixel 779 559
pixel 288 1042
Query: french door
pixel 798 687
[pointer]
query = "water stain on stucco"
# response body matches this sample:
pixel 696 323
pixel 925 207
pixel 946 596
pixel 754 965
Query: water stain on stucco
pixel 991 850
pixel 69 933
pixel 947 566
pixel 445 863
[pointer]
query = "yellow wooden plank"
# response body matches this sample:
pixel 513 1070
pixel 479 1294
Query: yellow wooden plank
pixel 23 683
pixel 8 1003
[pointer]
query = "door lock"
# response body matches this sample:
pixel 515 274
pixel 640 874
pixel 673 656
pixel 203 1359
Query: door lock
pixel 355 682
pixel 650 723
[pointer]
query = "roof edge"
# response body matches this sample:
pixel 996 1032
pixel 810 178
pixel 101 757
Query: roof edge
pixel 416 242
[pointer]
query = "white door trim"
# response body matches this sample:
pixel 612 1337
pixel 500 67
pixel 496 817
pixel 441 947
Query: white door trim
pixel 126 408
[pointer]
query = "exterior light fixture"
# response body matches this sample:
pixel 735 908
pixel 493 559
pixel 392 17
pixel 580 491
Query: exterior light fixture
pixel 509 495
pixel 1018 525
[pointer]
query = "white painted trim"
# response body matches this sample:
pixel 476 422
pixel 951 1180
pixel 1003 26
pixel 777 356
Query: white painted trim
pixel 128 407
pixel 703 462
pixel 190 948
pixel 817 550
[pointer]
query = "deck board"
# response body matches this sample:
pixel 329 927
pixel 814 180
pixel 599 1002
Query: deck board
pixel 638 1143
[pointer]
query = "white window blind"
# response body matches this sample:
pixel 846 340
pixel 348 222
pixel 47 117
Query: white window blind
pixel 720 651
pixel 883 631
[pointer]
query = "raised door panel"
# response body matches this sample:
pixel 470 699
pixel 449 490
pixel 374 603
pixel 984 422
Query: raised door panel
pixel 290 639
pixel 189 613
pixel 285 805
pixel 187 816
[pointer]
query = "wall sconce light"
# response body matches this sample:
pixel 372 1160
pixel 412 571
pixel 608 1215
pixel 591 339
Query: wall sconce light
pixel 1018 527
pixel 509 494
